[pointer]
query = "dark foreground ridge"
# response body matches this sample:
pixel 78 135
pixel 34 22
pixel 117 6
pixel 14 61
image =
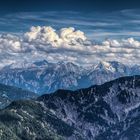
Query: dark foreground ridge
pixel 107 112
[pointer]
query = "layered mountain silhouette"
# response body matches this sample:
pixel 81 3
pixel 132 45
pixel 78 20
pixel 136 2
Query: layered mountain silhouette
pixel 110 111
pixel 9 94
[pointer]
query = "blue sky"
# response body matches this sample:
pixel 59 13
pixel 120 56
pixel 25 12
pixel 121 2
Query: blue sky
pixel 96 25
pixel 99 19
pixel 84 32
pixel 72 5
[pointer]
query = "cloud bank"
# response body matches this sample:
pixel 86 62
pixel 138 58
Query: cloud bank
pixel 66 44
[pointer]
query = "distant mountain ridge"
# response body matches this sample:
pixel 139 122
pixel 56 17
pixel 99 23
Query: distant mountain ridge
pixel 44 77
pixel 9 94
pixel 101 112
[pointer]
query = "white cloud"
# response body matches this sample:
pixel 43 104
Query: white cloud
pixel 67 44
pixel 66 37
pixel 9 43
pixel 130 42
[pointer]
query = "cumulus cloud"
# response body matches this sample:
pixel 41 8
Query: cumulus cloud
pixel 9 43
pixel 66 37
pixel 66 44
pixel 130 43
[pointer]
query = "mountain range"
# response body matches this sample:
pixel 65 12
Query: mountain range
pixel 9 94
pixel 110 111
pixel 43 77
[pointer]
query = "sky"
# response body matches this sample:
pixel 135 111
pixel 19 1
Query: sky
pixel 80 31
pixel 72 5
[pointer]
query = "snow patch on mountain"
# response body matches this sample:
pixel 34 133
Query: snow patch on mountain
pixel 45 77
